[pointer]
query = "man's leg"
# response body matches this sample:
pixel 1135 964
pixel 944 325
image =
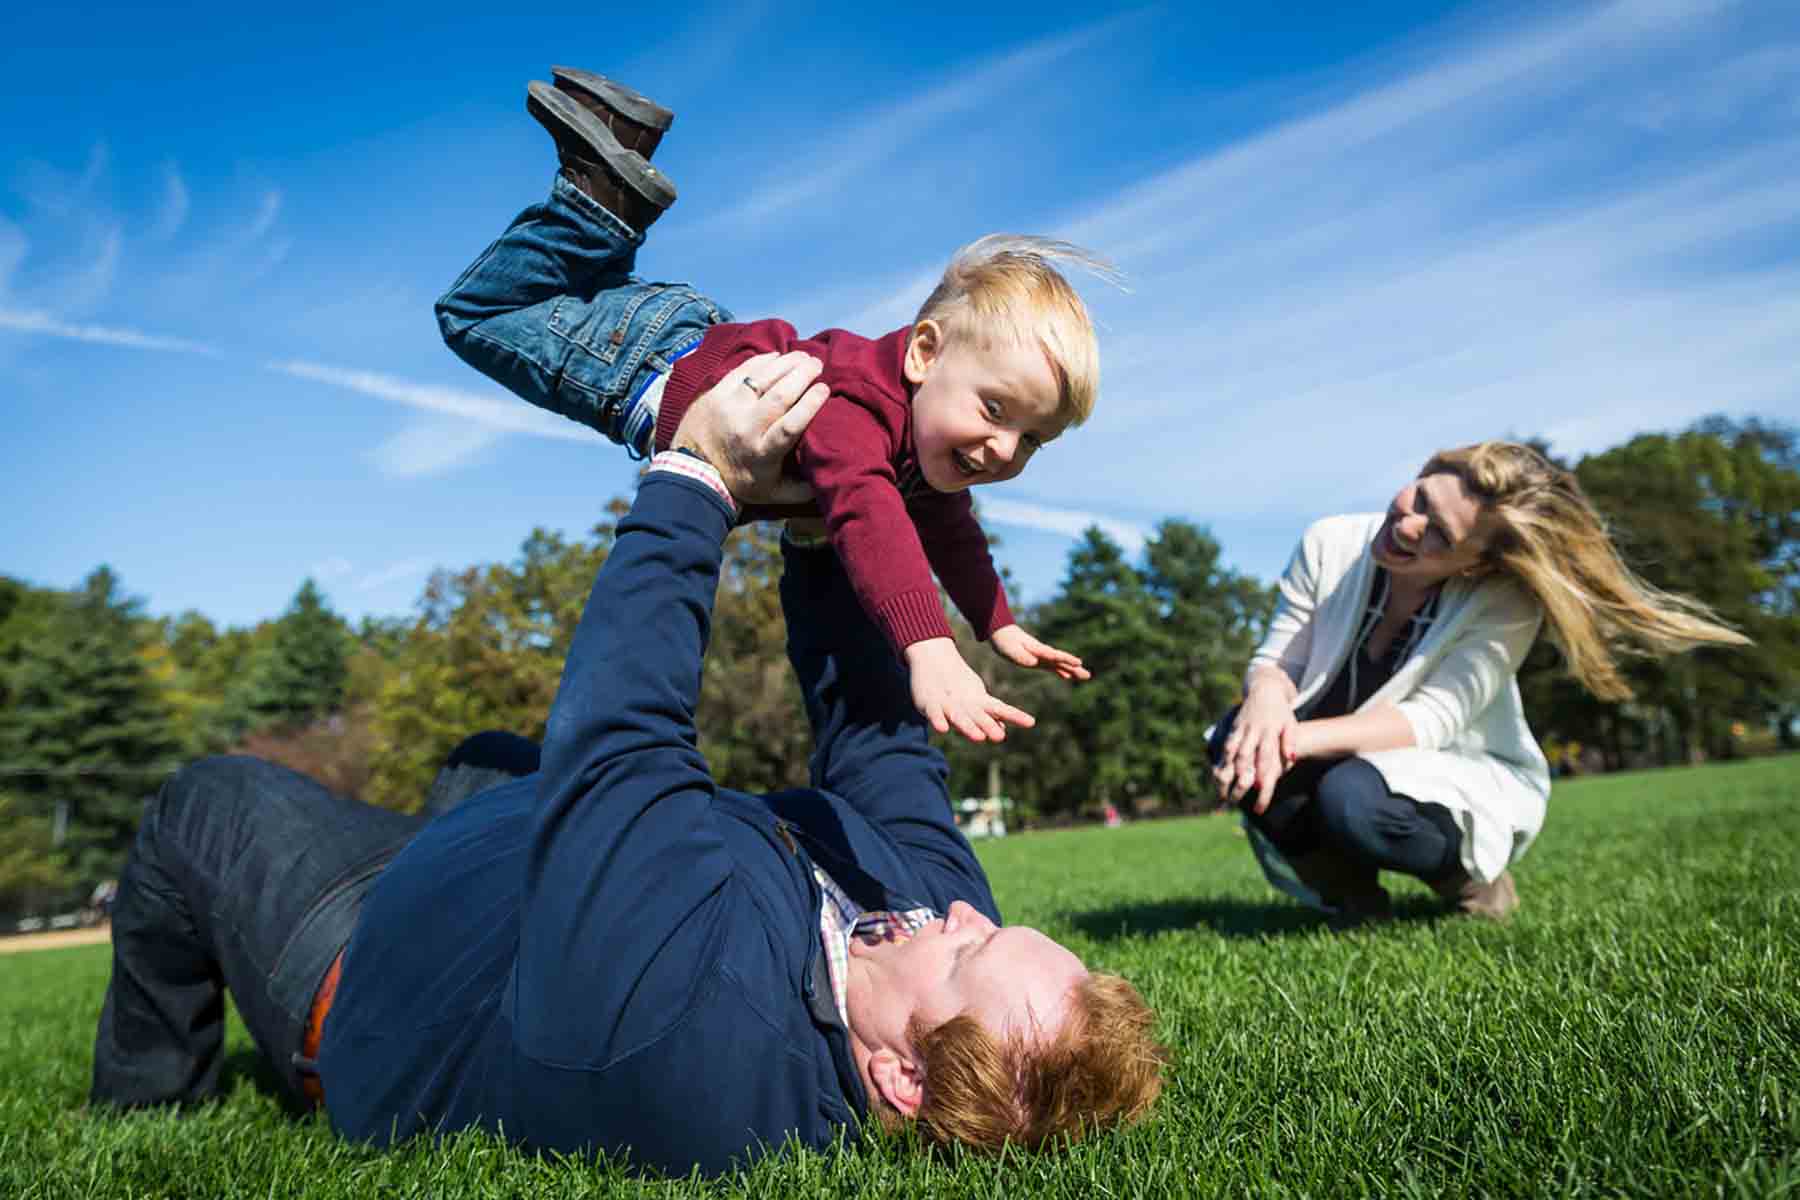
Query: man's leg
pixel 479 762
pixel 245 876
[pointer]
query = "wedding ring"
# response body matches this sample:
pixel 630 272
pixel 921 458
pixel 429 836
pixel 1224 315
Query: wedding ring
pixel 751 384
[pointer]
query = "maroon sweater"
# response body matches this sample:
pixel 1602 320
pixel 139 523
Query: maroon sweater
pixel 889 528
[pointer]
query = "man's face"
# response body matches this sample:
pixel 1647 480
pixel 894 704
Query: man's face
pixel 1014 980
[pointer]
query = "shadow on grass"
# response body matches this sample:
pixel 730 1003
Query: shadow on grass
pixel 1231 918
pixel 250 1066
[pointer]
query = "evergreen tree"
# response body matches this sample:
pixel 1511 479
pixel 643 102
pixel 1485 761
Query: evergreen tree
pixel 29 865
pixel 1105 614
pixel 85 733
pixel 1211 618
pixel 1040 770
pixel 300 675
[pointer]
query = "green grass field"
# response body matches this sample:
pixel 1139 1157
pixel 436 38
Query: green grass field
pixel 1634 1031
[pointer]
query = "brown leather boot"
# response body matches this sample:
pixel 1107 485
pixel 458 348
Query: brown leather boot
pixel 1354 890
pixel 619 180
pixel 636 120
pixel 1495 901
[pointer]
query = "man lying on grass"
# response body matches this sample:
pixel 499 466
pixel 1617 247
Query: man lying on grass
pixel 613 953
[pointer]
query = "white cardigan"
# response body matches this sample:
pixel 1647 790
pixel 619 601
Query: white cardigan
pixel 1473 753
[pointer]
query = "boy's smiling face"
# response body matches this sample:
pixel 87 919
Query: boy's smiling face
pixel 979 411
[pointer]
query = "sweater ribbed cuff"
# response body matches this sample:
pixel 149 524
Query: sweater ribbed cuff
pixel 911 617
pixel 999 618
pixel 692 373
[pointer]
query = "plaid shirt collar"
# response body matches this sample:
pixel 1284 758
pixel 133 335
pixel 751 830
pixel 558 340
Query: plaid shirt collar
pixel 840 920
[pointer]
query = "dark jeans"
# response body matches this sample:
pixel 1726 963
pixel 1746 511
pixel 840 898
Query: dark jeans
pixel 247 876
pixel 480 762
pixel 1344 804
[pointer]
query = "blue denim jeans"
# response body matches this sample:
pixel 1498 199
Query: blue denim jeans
pixel 248 877
pixel 552 311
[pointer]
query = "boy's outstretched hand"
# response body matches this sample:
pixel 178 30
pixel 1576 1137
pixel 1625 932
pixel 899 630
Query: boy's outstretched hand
pixel 1020 647
pixel 948 692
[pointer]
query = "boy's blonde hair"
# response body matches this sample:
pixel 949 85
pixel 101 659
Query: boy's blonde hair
pixel 1006 286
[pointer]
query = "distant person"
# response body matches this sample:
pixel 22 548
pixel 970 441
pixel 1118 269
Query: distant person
pixel 1381 727
pixel 1000 360
pixel 613 952
pixel 100 900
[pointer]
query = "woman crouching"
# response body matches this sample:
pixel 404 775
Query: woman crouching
pixel 1381 727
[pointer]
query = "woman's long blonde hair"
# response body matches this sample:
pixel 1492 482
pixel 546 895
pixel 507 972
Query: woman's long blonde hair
pixel 1548 535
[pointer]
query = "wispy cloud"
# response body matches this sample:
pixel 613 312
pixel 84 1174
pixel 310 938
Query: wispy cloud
pixel 411 568
pixel 338 569
pixel 1472 86
pixel 1070 523
pixel 90 281
pixel 268 211
pixel 858 147
pixel 430 448
pixel 424 448
pixel 239 251
pixel 708 43
pixel 84 262
pixel 173 205
pixel 492 411
pixel 14 245
pixel 70 226
pixel 60 193
pixel 1492 242
pixel 132 339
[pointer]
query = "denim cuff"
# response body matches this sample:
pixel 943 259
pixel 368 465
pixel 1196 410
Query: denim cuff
pixel 564 194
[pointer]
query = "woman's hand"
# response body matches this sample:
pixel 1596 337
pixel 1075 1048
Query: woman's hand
pixel 1263 741
pixel 747 424
pixel 947 692
pixel 1017 646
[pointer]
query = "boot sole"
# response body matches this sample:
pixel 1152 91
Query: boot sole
pixel 633 106
pixel 565 117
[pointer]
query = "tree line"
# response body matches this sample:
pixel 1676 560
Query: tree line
pixel 101 700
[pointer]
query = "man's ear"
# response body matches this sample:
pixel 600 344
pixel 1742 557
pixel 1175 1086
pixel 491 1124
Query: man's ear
pixel 923 349
pixel 900 1081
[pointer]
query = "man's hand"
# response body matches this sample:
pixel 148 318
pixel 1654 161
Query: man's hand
pixel 749 422
pixel 947 692
pixel 1014 644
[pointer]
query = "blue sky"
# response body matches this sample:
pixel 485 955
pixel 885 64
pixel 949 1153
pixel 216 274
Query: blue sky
pixel 1351 234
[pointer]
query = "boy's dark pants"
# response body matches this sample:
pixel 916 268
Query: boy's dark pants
pixel 247 876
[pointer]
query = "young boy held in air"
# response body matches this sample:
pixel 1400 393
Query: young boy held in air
pixel 1000 360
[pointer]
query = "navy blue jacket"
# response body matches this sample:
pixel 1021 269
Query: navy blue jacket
pixel 616 954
